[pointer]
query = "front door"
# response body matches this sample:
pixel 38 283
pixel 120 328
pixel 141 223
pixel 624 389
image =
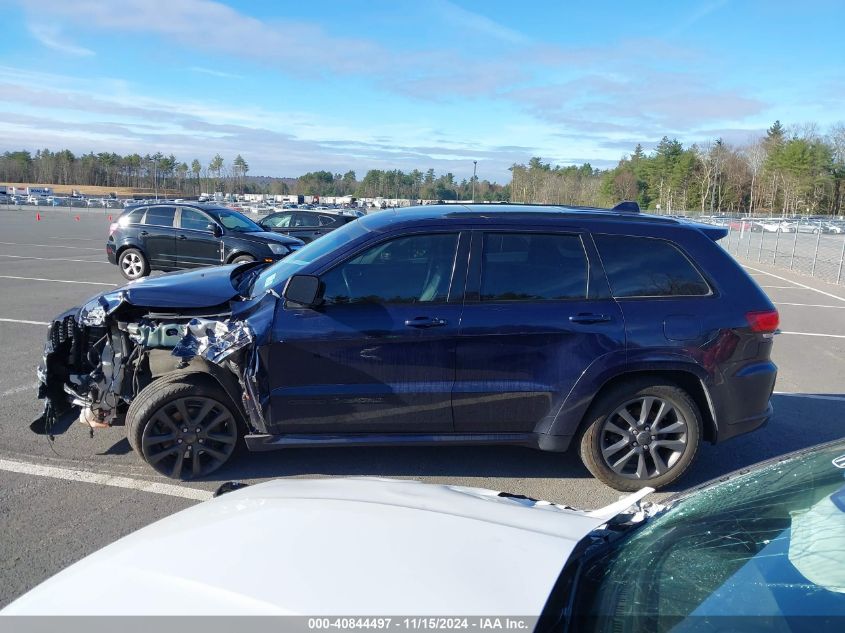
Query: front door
pixel 196 244
pixel 536 317
pixel 379 355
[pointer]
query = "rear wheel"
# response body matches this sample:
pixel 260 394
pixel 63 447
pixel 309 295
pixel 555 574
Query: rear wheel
pixel 641 434
pixel 133 264
pixel 184 428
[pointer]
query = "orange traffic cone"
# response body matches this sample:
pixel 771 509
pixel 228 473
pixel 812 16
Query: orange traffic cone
pixel 76 218
pixel 38 217
pixel 109 218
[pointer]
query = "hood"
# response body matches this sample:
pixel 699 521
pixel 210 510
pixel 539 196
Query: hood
pixel 268 236
pixel 200 288
pixel 330 546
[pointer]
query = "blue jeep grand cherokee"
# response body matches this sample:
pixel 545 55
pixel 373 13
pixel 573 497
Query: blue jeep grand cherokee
pixel 629 337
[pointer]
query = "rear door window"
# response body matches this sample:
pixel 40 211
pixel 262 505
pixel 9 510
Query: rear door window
pixel 533 267
pixel 648 267
pixel 160 216
pixel 305 220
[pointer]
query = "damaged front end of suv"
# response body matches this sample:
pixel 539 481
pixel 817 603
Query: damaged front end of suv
pixel 99 358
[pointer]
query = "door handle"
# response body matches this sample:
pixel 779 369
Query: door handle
pixel 182 237
pixel 145 232
pixel 425 322
pixel 589 318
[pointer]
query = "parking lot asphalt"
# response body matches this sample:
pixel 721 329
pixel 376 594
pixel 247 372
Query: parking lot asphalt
pixel 63 501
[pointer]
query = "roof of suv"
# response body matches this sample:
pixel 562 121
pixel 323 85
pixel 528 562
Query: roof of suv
pixel 509 211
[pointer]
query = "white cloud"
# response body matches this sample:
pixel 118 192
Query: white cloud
pixel 52 37
pixel 462 20
pixel 213 73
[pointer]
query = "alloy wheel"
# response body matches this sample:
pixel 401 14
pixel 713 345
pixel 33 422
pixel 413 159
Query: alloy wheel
pixel 189 437
pixel 644 438
pixel 132 265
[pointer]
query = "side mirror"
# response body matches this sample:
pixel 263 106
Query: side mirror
pixel 215 228
pixel 303 289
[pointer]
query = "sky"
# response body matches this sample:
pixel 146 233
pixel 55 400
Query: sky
pixel 301 86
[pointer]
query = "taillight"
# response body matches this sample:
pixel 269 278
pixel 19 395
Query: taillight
pixel 767 321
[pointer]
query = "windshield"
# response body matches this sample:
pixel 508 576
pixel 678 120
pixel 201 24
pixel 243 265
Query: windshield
pixel 234 221
pixel 766 543
pixel 278 273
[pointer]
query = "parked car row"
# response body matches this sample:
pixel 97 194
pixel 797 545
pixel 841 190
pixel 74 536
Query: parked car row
pixel 779 225
pixel 174 237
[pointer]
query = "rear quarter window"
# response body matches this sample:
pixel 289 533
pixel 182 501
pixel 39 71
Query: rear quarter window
pixel 648 267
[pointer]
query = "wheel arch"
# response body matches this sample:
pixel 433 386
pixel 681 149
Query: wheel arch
pixel 686 379
pixel 216 376
pixel 239 253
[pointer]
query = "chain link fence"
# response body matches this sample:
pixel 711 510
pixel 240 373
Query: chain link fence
pixel 809 248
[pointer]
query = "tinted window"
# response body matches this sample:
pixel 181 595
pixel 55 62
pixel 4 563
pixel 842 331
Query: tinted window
pixel 135 216
pixel 160 216
pixel 191 219
pixel 281 221
pixel 327 220
pixel 414 269
pixel 533 267
pixel 304 220
pixel 236 222
pixel 647 267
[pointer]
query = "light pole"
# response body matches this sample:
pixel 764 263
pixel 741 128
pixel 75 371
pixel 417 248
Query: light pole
pixel 155 177
pixel 474 165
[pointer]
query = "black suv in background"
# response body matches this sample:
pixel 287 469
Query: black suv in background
pixel 177 236
pixel 304 225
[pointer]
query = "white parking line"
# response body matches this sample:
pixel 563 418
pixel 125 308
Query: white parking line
pixel 808 305
pixel 71 474
pixel 800 285
pixel 22 388
pixel 77 248
pixel 812 396
pixel 59 281
pixel 55 259
pixel 814 334
pixel 25 322
pixel 780 287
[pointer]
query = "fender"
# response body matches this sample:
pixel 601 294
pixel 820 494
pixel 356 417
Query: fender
pixel 596 377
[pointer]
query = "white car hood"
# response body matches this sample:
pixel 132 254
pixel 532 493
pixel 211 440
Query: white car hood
pixel 331 546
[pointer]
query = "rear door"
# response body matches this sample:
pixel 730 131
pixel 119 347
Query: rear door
pixel 537 314
pixel 196 244
pixel 306 226
pixel 158 236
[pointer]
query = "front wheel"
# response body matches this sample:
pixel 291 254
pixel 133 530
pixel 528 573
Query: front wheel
pixel 641 434
pixel 243 259
pixel 184 428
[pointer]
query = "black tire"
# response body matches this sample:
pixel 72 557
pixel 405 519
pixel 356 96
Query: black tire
pixel 653 457
pixel 157 429
pixel 242 259
pixel 133 264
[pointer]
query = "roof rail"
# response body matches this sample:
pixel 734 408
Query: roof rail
pixel 628 206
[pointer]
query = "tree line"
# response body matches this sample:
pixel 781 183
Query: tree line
pixel 792 170
pixel 788 171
